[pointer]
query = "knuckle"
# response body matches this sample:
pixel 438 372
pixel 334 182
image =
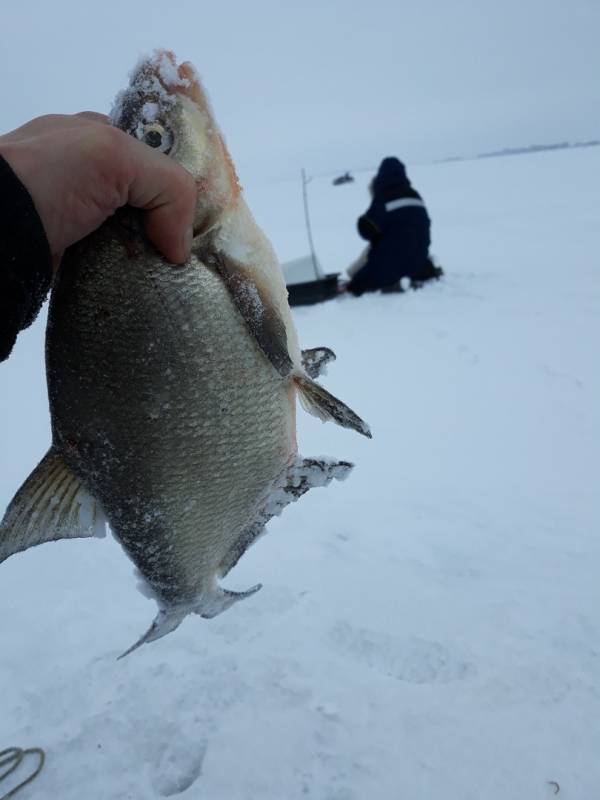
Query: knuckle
pixel 49 119
pixel 107 149
pixel 112 139
pixel 108 146
pixel 92 116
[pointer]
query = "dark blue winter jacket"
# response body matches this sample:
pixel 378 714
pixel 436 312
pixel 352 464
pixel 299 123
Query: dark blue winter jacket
pixel 397 226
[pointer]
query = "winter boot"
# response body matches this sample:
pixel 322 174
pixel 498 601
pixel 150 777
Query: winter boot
pixel 429 272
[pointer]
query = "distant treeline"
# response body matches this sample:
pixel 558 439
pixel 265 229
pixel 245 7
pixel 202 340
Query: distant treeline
pixel 532 148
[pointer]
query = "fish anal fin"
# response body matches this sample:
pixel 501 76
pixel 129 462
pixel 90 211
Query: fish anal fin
pixel 296 480
pixel 52 504
pixel 316 359
pixel 322 404
pixel 261 317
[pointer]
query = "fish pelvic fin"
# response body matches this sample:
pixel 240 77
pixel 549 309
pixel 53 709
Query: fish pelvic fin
pixel 320 403
pixel 52 504
pixel 316 359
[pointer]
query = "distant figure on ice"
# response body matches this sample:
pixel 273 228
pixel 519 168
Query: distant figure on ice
pixel 396 225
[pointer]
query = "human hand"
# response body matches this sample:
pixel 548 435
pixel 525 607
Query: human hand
pixel 79 170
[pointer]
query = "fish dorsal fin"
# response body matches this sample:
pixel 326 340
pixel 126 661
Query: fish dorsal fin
pixel 262 319
pixel 52 504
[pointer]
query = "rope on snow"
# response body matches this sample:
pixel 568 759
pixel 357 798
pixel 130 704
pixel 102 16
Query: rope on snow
pixel 13 757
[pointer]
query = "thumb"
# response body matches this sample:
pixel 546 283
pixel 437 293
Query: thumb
pixel 167 193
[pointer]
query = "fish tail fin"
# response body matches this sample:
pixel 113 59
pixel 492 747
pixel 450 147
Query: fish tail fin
pixel 52 504
pixel 320 403
pixel 219 600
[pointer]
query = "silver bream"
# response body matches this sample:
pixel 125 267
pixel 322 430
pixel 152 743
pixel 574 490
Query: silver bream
pixel 173 389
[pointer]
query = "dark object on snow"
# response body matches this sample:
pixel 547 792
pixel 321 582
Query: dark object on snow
pixel 315 291
pixel 25 261
pixel 397 227
pixel 342 179
pixel 430 273
pixel 307 282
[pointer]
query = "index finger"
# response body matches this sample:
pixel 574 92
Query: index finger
pixel 167 193
pixel 93 116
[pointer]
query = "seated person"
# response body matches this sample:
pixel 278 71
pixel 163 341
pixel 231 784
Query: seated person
pixel 396 225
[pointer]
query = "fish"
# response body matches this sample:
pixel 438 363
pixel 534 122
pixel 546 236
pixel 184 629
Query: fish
pixel 173 389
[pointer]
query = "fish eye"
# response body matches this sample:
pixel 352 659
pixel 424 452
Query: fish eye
pixel 157 136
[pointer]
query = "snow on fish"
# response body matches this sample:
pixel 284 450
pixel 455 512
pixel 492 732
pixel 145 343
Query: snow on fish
pixel 173 389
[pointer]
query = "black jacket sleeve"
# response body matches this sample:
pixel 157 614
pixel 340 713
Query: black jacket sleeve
pixel 25 260
pixel 368 228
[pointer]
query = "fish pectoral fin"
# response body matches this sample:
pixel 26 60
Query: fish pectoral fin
pixel 52 504
pixel 296 480
pixel 252 301
pixel 316 359
pixel 320 403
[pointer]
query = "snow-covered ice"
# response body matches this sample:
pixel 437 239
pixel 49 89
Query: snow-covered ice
pixel 428 628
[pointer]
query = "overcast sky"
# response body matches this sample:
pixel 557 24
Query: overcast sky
pixel 325 85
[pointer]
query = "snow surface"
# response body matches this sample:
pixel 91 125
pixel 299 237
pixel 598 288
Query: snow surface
pixel 427 629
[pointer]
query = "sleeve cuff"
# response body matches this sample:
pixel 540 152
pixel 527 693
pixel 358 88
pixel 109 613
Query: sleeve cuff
pixel 25 259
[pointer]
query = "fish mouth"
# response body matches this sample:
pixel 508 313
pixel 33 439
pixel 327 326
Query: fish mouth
pixel 155 84
pixel 174 78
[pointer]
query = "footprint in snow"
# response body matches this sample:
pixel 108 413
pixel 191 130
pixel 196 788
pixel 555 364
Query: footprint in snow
pixel 179 767
pixel 411 659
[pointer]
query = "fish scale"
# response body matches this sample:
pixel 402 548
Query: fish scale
pixel 228 465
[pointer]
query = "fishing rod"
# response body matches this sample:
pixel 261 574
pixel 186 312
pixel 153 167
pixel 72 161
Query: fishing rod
pixel 319 275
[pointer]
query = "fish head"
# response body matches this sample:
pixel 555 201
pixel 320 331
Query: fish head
pixel 166 107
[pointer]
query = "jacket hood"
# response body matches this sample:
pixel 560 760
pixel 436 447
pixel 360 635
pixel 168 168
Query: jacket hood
pixel 391 173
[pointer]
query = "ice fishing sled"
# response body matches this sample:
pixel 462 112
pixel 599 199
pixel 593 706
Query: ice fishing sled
pixel 306 282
